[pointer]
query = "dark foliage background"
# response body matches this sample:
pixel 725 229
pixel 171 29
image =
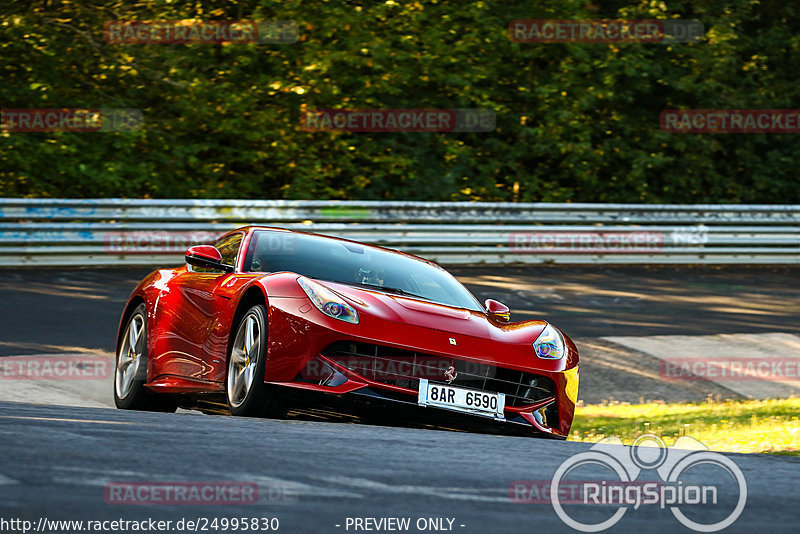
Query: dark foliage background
pixel 575 122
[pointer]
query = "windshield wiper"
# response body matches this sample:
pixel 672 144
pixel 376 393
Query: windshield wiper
pixel 388 289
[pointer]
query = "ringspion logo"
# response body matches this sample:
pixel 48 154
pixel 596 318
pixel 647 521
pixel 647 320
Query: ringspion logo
pixel 693 480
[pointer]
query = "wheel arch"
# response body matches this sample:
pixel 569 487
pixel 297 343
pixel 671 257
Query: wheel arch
pixel 133 303
pixel 251 296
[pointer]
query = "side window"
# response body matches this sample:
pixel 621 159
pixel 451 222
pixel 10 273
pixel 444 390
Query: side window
pixel 228 246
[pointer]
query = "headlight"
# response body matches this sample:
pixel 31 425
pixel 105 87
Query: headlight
pixel 327 301
pixel 550 344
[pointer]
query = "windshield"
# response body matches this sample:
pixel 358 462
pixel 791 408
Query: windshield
pixel 350 263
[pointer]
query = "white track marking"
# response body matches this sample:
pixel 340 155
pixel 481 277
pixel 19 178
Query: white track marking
pixel 5 480
pixel 452 493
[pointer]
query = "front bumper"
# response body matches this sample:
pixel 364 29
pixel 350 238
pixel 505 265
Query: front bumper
pixel 358 370
pixel 372 406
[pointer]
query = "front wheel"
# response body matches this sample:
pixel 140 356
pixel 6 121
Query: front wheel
pixel 130 371
pixel 246 391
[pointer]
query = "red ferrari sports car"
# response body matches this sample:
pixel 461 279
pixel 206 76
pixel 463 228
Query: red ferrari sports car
pixel 274 319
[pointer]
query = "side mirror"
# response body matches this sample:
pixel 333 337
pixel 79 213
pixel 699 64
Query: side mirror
pixel 497 310
pixel 208 257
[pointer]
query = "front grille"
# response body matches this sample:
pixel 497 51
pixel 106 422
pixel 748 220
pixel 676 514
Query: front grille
pixel 404 368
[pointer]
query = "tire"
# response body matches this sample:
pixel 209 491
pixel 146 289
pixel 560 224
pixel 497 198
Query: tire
pixel 245 390
pixel 130 369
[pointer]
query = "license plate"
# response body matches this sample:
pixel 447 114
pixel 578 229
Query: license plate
pixel 461 400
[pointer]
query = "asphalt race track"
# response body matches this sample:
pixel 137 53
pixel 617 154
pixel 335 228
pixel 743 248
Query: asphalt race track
pixel 55 309
pixel 56 461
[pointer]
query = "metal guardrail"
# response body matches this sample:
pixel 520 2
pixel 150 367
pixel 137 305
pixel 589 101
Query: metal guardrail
pixel 108 232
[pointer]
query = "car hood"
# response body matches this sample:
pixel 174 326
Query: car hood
pixel 417 312
pixel 427 327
